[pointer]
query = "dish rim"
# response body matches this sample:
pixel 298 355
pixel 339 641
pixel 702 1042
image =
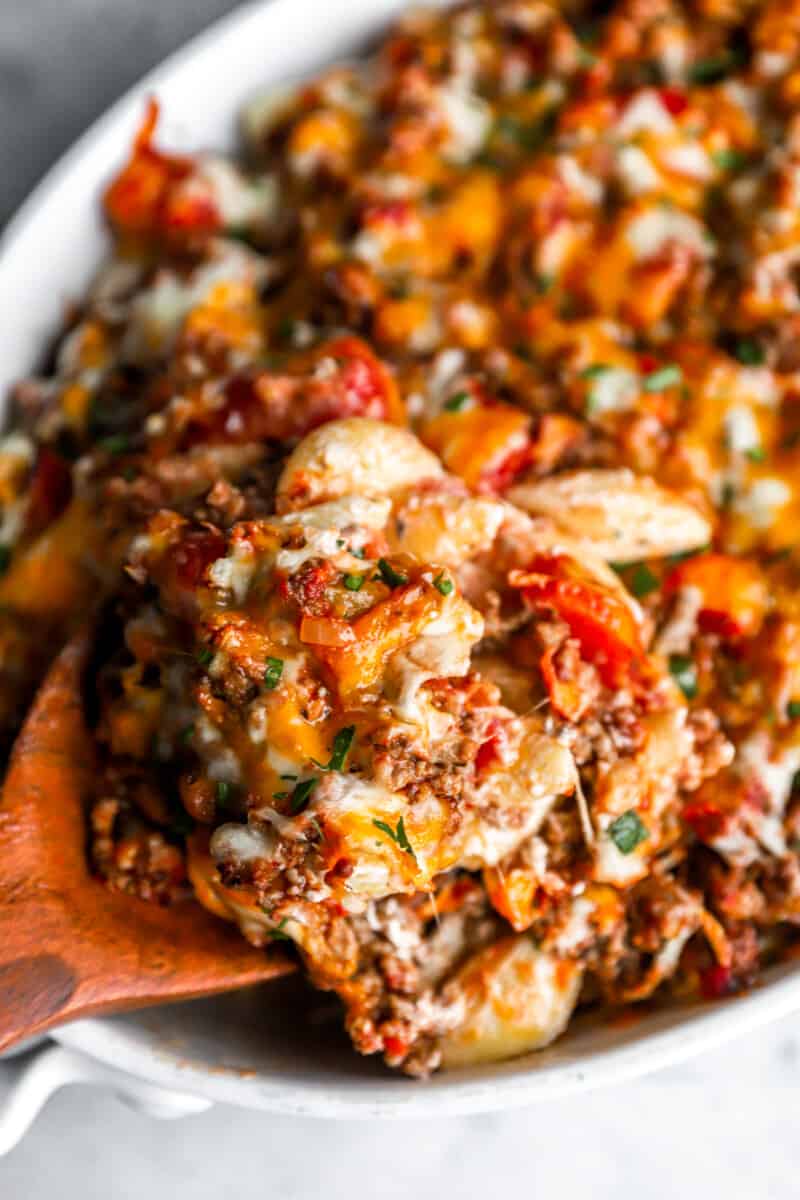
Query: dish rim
pixel 495 1087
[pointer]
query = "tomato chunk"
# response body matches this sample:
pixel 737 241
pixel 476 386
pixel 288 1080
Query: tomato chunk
pixel 146 199
pixel 606 629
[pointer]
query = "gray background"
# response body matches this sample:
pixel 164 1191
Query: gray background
pixel 725 1125
pixel 63 61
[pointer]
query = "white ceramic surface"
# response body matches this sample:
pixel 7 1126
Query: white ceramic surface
pixel 277 1048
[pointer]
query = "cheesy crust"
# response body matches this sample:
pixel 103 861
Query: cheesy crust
pixel 441 465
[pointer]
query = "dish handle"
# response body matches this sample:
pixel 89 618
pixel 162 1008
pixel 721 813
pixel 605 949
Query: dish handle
pixel 36 1075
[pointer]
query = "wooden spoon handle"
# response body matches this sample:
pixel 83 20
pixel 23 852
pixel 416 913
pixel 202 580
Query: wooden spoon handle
pixel 69 946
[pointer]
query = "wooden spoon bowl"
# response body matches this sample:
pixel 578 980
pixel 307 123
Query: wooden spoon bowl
pixel 70 947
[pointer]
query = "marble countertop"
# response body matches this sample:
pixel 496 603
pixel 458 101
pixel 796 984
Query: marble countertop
pixel 725 1125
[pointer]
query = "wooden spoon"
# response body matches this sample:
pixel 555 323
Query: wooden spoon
pixel 70 947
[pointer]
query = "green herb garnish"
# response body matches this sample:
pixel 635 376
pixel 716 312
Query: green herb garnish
pixel 204 656
pixel 116 443
pixel 793 710
pixel 749 352
pixel 316 825
pixel 353 583
pixel 594 371
pixel 756 454
pixel 627 831
pixel 716 67
pixel 443 584
pixel 278 934
pixel 340 750
pixel 643 581
pixel 729 159
pixel 456 403
pixel 389 576
pixel 273 672
pixel 187 734
pixel 223 793
pixel 684 673
pixel 397 835
pixel 668 376
pixel 301 793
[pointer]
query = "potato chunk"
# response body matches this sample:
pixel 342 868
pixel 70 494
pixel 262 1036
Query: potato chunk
pixel 516 998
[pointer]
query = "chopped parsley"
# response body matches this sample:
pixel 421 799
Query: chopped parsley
pixel 684 673
pixel 669 376
pixel 749 352
pixel 793 710
pixel 729 159
pixel 273 672
pixel 756 454
pixel 716 67
pixel 300 795
pixel 643 581
pixel 278 934
pixel 443 584
pixel 223 793
pixel 389 576
pixel 341 748
pixel 187 734
pixel 456 402
pixel 353 583
pixel 204 656
pixel 397 835
pixel 528 135
pixel 116 443
pixel 320 832
pixel 627 832
pixel 594 371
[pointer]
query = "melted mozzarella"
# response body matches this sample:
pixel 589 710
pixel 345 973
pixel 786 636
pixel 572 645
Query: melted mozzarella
pixel 614 390
pixel 760 502
pixel 645 114
pixel 636 172
pixel 650 232
pixel 468 118
pixel 741 429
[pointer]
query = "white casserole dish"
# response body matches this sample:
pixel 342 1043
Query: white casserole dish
pixel 274 1048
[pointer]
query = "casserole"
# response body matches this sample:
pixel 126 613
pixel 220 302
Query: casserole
pixel 56 237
